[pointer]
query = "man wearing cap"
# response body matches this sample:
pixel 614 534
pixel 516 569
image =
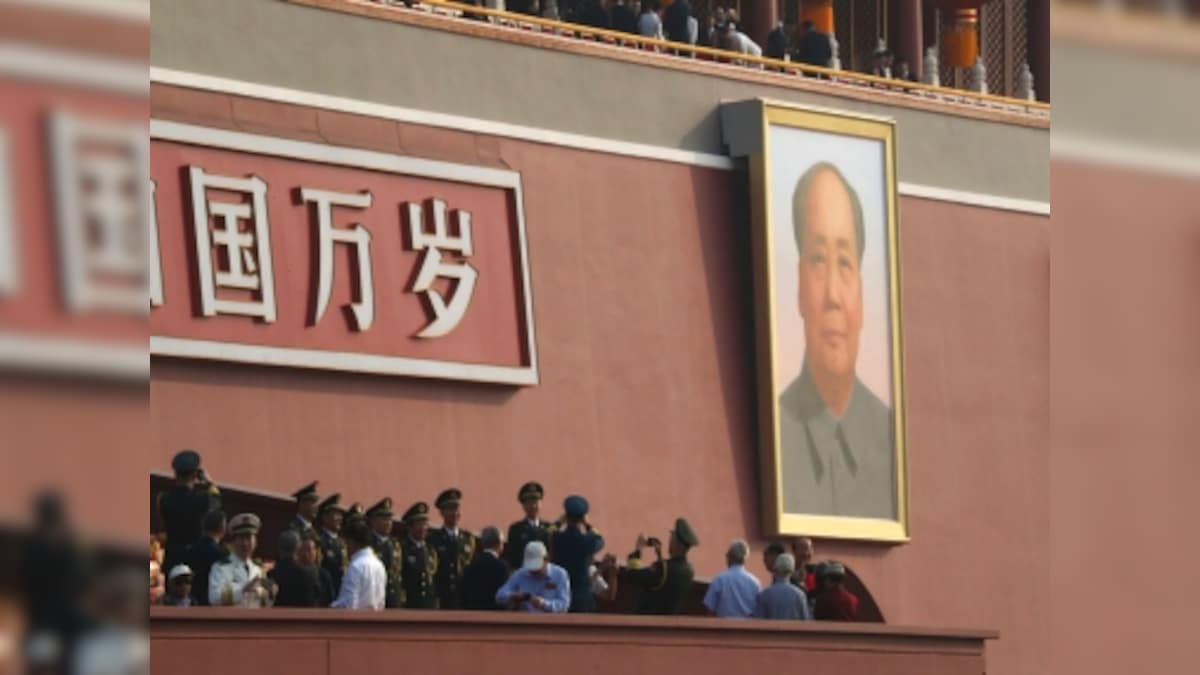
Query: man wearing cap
pixel 575 546
pixel 539 586
pixel 666 583
pixel 455 549
pixel 307 500
pixel 238 580
pixel 420 562
pixel 182 508
pixel 530 528
pixel 387 549
pixel 333 550
pixel 179 587
pixel 834 602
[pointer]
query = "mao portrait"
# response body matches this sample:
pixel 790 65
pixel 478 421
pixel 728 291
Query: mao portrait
pixel 833 446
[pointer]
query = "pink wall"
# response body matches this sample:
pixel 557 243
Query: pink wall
pixel 641 287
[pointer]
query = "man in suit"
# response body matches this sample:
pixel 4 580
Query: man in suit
pixel 575 546
pixel 182 508
pixel 483 577
pixel 530 528
pixel 419 561
pixel 666 583
pixel 307 501
pixel 814 47
pixel 455 548
pixel 387 549
pixel 308 557
pixel 298 586
pixel 675 21
pixel 333 550
pixel 835 434
pixel 206 553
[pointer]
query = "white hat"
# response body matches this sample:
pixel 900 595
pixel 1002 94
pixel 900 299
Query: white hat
pixel 535 556
pixel 179 571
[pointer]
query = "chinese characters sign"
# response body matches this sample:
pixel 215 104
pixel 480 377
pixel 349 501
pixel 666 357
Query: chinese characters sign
pixel 266 250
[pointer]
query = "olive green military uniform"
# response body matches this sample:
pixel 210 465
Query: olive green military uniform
pixel 419 565
pixel 455 550
pixel 387 549
pixel 524 531
pixel 665 584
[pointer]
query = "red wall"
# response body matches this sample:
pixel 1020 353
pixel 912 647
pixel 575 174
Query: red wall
pixel 642 298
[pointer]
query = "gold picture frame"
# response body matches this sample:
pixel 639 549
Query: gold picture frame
pixel 778 518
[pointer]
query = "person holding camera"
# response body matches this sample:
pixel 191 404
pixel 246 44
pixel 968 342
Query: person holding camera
pixel 575 545
pixel 182 508
pixel 539 586
pixel 665 584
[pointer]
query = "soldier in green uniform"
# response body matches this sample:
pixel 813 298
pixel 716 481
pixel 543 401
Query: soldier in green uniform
pixel 419 561
pixel 333 549
pixel 530 528
pixel 666 583
pixel 455 549
pixel 306 510
pixel 387 549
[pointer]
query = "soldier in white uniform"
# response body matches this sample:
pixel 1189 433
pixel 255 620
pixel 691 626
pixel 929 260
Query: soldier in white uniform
pixel 237 580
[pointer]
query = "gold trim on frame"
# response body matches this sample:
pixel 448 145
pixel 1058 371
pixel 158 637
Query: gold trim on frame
pixel 775 522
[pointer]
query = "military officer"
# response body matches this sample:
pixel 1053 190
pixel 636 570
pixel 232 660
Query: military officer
pixel 455 549
pixel 665 584
pixel 239 580
pixel 420 561
pixel 182 508
pixel 387 549
pixel 530 528
pixel 306 509
pixel 333 549
pixel 355 512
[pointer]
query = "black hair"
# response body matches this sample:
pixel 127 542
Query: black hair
pixel 214 521
pixel 800 202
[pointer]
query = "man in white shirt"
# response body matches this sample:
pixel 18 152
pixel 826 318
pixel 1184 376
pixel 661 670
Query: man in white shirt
pixel 238 580
pixel 364 584
pixel 737 41
pixel 732 593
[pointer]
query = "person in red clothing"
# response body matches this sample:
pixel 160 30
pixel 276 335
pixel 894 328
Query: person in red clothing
pixel 802 548
pixel 834 602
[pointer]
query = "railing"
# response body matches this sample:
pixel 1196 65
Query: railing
pixel 502 19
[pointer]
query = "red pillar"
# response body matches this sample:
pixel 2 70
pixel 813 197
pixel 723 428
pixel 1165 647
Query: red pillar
pixel 906 32
pixel 763 15
pixel 1038 34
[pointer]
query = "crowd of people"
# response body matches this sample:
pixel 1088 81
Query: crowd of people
pixel 347 557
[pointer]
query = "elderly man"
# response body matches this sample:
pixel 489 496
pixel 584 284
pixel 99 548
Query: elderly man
pixel 782 599
pixel 483 577
pixel 298 586
pixel 835 434
pixel 539 586
pixel 238 580
pixel 364 584
pixel 732 593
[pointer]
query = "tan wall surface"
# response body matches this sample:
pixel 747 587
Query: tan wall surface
pixel 641 287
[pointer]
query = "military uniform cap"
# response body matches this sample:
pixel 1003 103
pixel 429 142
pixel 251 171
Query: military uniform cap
pixel 185 461
pixel 416 512
pixel 685 534
pixel 355 512
pixel 330 504
pixel 575 506
pixel 448 498
pixel 530 490
pixel 381 508
pixel 307 493
pixel 245 523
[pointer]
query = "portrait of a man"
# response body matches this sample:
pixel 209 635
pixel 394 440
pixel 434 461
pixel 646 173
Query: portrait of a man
pixel 832 452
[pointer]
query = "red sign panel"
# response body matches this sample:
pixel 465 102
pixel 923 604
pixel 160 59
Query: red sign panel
pixel 281 252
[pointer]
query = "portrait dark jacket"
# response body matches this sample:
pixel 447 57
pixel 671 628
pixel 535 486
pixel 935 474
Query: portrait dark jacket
pixel 836 466
pixel 624 19
pixel 418 567
pixel 574 551
pixel 520 534
pixel 182 510
pixel 201 557
pixel 675 21
pixel 298 586
pixel 481 579
pixel 664 585
pixel 814 48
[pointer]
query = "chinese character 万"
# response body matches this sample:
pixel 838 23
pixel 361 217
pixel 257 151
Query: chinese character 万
pixel 243 256
pixel 447 315
pixel 101 179
pixel 358 236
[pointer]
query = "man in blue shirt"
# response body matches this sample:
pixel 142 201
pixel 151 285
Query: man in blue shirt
pixel 539 586
pixel 732 593
pixel 782 599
